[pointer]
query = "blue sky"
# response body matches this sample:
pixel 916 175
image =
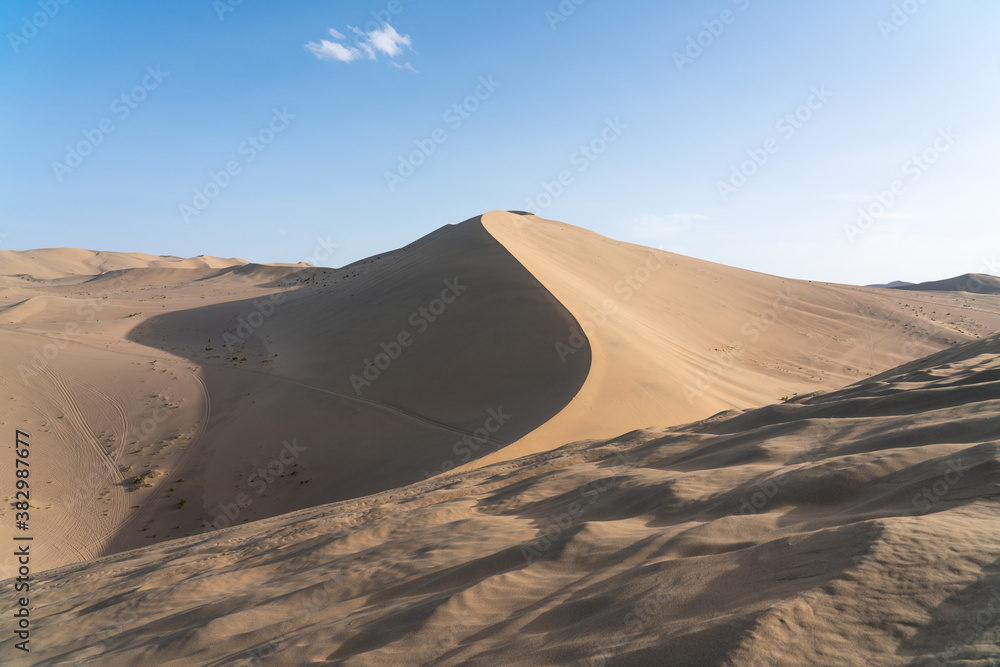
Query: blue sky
pixel 744 132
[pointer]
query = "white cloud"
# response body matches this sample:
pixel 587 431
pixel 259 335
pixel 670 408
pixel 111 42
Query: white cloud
pixel 384 40
pixel 326 50
pixel 362 41
pixel 388 41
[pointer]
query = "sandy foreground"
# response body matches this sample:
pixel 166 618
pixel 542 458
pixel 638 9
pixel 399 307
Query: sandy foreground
pixel 856 527
pixel 429 394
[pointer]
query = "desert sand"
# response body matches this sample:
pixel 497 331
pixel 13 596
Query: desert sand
pixel 540 445
pixel 856 527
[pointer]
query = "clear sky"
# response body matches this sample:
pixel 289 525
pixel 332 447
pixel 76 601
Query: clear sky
pixel 745 132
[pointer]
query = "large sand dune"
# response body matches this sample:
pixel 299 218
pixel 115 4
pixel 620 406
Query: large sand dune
pixel 675 339
pixel 240 392
pixel 856 527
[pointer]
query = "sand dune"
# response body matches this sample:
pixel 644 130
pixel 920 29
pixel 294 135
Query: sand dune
pixel 894 283
pixel 49 263
pixel 855 527
pixel 240 392
pixel 385 372
pixel 675 339
pixel 976 283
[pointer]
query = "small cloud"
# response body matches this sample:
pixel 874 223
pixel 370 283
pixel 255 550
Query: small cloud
pixel 326 50
pixel 384 40
pixel 362 41
pixel 406 66
pixel 665 227
pixel 388 41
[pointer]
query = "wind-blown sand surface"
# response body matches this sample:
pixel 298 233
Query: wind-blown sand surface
pixel 856 527
pixel 236 392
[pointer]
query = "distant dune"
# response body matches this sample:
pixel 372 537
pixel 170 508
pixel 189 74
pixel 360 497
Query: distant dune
pixel 976 283
pixel 49 263
pixel 856 527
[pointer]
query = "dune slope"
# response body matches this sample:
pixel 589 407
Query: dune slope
pixel 676 339
pixel 376 375
pixel 856 527
pixel 103 410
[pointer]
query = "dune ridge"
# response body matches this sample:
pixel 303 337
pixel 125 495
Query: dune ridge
pixel 676 339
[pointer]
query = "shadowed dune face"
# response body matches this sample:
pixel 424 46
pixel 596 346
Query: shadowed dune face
pixel 101 409
pixel 383 373
pixel 792 534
